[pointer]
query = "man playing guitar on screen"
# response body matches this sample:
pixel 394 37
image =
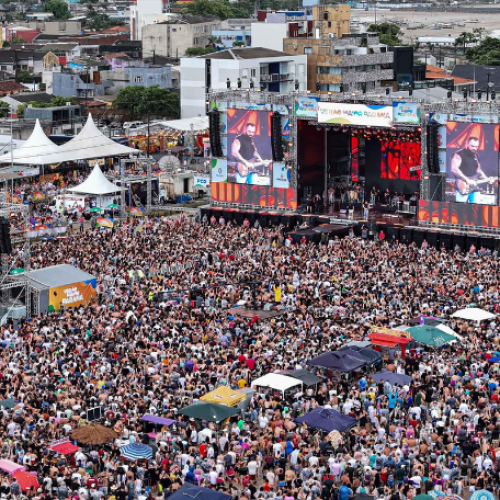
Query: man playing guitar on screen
pixel 244 151
pixel 467 171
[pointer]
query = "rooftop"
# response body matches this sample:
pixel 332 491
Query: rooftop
pixel 434 72
pixel 245 53
pixel 60 275
pixel 11 86
pixel 189 19
pixel 479 74
pixel 33 96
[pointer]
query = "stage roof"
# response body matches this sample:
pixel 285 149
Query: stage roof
pixel 60 275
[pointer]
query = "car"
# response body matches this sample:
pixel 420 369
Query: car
pixel 129 125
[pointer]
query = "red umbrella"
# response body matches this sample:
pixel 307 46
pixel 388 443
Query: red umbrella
pixel 26 480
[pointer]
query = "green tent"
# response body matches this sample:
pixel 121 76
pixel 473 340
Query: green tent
pixel 209 411
pixel 429 335
pixel 95 209
pixel 19 270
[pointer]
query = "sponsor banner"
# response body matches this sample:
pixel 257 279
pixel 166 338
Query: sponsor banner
pixel 219 170
pixel 201 181
pixel 373 115
pixel 306 107
pixel 281 176
pixel 407 112
pixel 250 106
pixel 75 295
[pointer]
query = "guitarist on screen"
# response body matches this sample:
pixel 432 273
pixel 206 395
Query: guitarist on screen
pixel 467 171
pixel 244 151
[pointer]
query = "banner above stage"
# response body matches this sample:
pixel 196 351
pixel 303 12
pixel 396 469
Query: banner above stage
pixel 373 115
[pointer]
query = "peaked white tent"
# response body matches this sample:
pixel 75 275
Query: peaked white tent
pixel 96 183
pixel 33 150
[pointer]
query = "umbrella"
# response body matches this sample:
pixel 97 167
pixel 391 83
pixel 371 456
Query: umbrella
pixel 327 420
pixel 93 434
pixel 209 411
pixel 482 495
pixel 494 359
pixel 19 270
pixel 113 206
pixel 8 403
pixel 474 314
pixel 95 209
pixel 430 335
pixel 26 480
pixel 392 378
pixel 193 492
pixel 449 331
pixel 10 467
pixel 450 497
pixel 423 496
pixel 362 496
pixel 134 211
pixel 338 361
pixel 136 451
pixel 104 222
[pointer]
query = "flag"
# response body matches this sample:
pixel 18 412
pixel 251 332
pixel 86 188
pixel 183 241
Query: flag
pixel 421 319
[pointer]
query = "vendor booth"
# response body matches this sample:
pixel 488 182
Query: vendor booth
pixel 61 286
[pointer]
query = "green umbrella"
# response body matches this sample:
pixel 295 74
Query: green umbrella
pixel 429 335
pixel 8 403
pixel 209 411
pixel 19 270
pixel 113 205
pixel 422 496
pixel 95 209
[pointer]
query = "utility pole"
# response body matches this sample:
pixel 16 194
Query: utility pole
pixel 489 84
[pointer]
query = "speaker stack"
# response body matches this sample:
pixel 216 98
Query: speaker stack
pixel 214 133
pixel 5 241
pixel 432 148
pixel 406 235
pixel 276 135
pixel 446 241
pixel 459 240
pixel 433 238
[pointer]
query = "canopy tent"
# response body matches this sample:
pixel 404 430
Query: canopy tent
pixel 430 336
pixel 199 124
pixel 327 420
pixel 193 492
pixel 210 412
pixel 33 150
pixel 306 377
pixel 96 184
pixel 338 361
pixel 224 396
pixel 64 447
pixel 449 331
pixel 10 467
pixel 276 381
pixel 159 420
pixel 473 314
pixel 386 340
pixel 369 355
pixel 392 378
pixel 357 343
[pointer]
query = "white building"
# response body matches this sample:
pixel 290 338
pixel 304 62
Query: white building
pixel 142 13
pixel 267 69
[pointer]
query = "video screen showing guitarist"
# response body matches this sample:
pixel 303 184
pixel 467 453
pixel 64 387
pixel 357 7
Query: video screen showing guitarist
pixel 251 167
pixel 469 177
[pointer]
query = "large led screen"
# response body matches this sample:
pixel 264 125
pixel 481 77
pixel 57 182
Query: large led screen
pixel 472 163
pixel 249 147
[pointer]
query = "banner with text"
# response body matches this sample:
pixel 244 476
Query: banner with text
pixel 306 107
pixel 407 112
pixel 75 295
pixel 373 115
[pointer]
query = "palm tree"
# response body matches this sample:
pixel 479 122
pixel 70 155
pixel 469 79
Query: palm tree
pixel 238 43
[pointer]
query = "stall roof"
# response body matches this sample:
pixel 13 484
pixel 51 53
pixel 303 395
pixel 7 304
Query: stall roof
pixel 96 184
pixel 306 377
pixel 60 275
pixel 199 123
pixel 276 381
pixel 384 340
pixel 224 395
pixel 158 420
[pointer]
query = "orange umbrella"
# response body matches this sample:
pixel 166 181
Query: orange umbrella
pixel 26 480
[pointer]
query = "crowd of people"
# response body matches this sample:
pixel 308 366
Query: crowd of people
pixel 161 333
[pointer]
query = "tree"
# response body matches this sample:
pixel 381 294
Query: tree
pixel 464 39
pixel 219 8
pixel 238 43
pixel 56 101
pixel 487 52
pixel 139 101
pixel 58 8
pixel 4 109
pixel 388 33
pixel 199 51
pixel 25 77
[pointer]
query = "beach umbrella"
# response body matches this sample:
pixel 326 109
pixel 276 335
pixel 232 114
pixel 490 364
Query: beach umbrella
pixel 134 211
pixel 8 403
pixel 95 210
pixel 392 378
pixel 473 314
pixel 136 451
pixel 430 335
pixel 26 480
pixel 104 222
pixel 19 270
pixel 10 467
pixel 94 434
pixel 327 420
pixel 210 412
pixel 449 497
pixel 482 495
pixel 113 206
pixel 436 495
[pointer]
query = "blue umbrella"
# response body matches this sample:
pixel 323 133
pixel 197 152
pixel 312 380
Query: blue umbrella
pixel 494 359
pixel 136 451
pixel 482 495
pixel 392 378
pixel 327 420
pixel 192 491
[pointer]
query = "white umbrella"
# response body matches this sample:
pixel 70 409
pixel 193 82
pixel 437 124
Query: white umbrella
pixel 448 330
pixel 474 314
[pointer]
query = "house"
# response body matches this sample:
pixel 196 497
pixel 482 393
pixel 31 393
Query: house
pixel 16 100
pixel 21 60
pixel 459 83
pixel 85 85
pixel 172 38
pixel 9 87
pixel 146 76
pixel 65 120
pixel 264 69
pixel 66 52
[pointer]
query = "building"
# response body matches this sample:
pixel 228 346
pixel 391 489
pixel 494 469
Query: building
pixel 85 85
pixel 452 82
pixel 146 76
pixel 65 120
pixel 142 13
pixel 484 76
pixel 226 38
pixel 355 61
pixel 10 87
pixel 16 100
pixel 13 60
pixel 56 27
pixel 266 69
pixel 172 38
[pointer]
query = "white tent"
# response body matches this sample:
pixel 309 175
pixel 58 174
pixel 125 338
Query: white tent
pixel 96 183
pixel 449 331
pixel 33 150
pixel 276 381
pixel 473 314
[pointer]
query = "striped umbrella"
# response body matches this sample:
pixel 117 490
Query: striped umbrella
pixel 136 451
pixel 451 497
pixel 437 495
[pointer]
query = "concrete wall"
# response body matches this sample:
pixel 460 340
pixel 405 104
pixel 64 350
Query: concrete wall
pixel 193 87
pixel 269 35
pixel 150 76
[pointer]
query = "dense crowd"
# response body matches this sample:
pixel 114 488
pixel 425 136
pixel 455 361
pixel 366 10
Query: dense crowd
pixel 161 333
